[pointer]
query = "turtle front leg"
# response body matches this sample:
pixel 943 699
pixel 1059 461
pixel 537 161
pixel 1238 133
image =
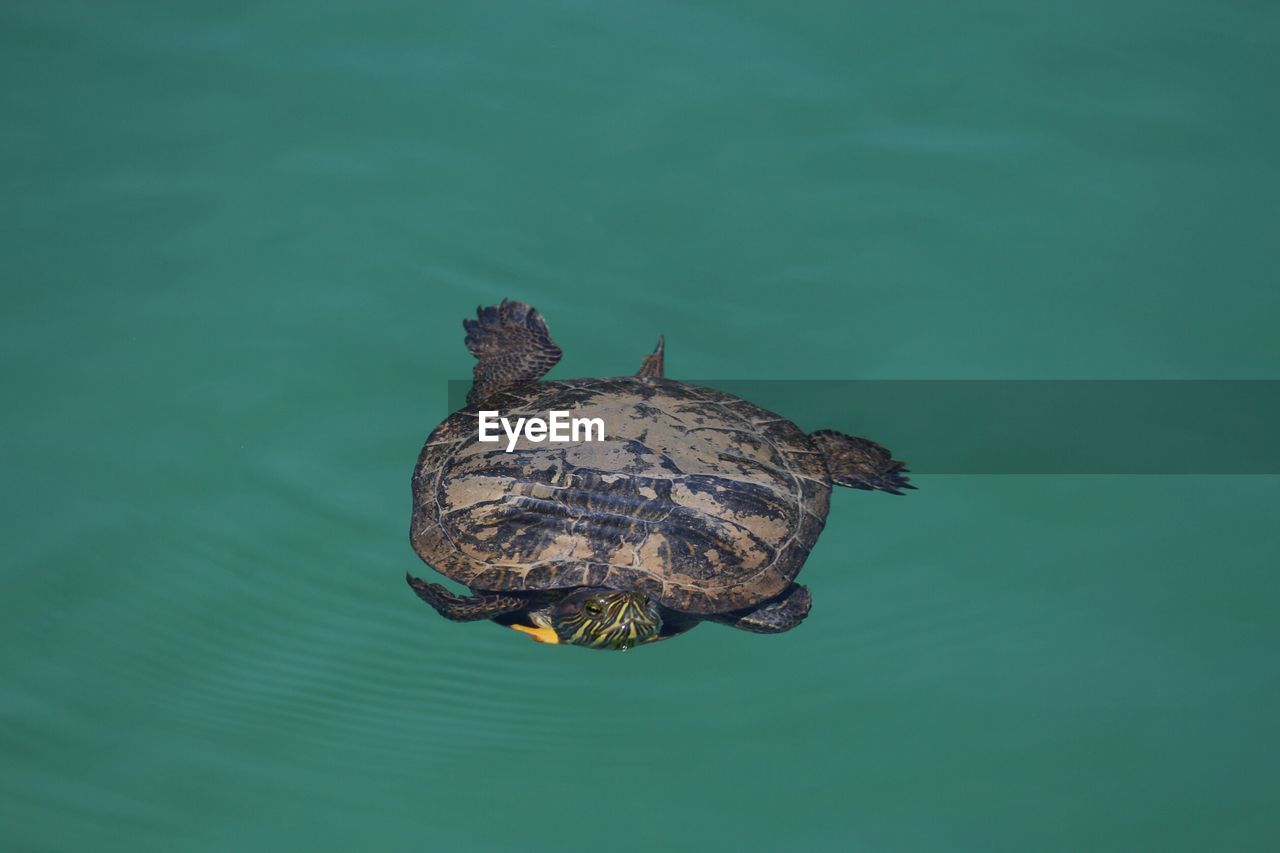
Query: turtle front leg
pixel 464 608
pixel 774 616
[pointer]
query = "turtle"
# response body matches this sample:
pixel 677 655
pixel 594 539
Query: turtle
pixel 697 506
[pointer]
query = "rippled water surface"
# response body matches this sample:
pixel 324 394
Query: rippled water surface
pixel 238 240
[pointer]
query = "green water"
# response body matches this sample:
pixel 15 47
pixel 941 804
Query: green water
pixel 237 242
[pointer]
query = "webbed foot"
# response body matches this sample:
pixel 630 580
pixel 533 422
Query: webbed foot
pixel 774 616
pixel 463 608
pixel 513 345
pixel 860 463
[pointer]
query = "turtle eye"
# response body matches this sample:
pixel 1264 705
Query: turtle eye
pixel 592 608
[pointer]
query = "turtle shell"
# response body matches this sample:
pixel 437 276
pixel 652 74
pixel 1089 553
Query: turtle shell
pixel 705 501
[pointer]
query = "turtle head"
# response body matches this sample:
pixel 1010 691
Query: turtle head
pixel 601 618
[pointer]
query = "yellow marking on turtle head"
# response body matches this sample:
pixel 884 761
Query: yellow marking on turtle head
pixel 540 635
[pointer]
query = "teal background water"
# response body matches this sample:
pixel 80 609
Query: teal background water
pixel 237 241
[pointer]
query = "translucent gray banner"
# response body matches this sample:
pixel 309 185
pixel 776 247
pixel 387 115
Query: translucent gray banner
pixel 1036 426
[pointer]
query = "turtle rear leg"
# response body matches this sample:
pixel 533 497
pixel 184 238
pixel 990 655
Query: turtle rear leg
pixel 774 616
pixel 513 345
pixel 860 463
pixel 652 364
pixel 464 608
